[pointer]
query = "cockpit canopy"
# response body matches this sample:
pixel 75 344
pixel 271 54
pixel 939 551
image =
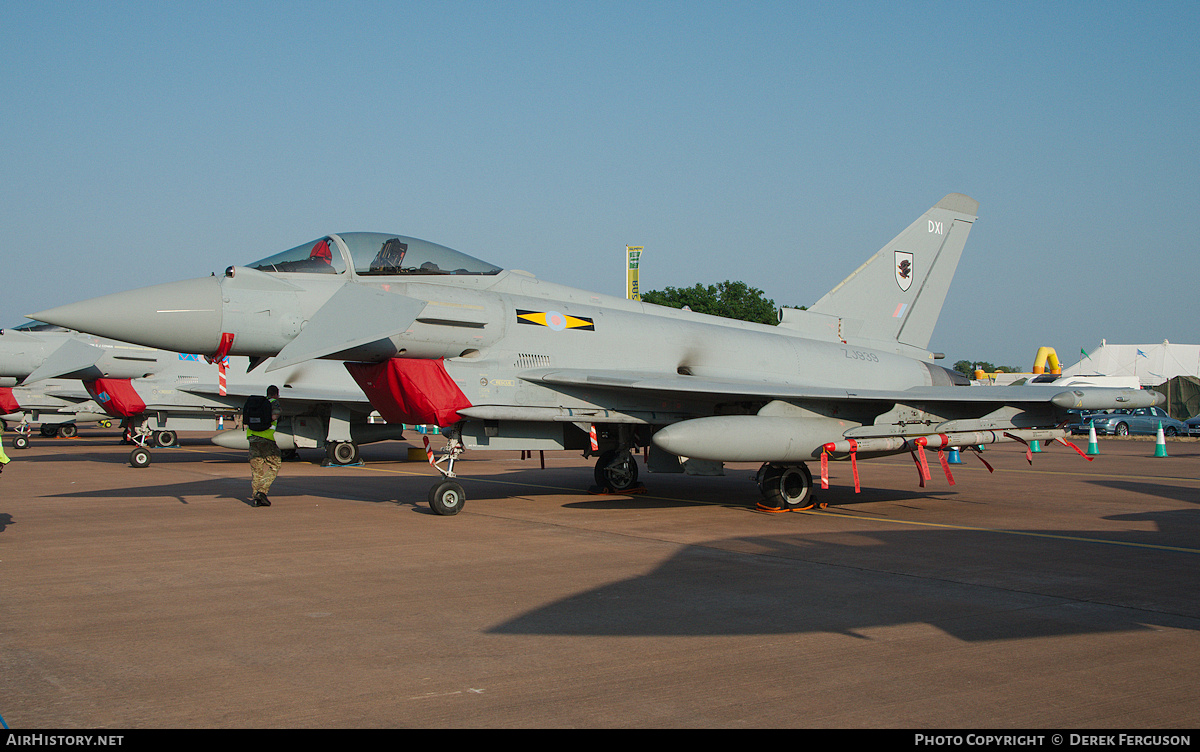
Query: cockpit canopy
pixel 373 254
pixel 38 326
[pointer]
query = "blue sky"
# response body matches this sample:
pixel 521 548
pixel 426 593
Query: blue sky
pixel 780 144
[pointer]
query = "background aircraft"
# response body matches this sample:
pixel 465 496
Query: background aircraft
pixel 503 360
pixel 58 405
pixel 159 393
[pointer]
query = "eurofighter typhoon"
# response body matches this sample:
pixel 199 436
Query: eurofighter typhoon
pixel 502 360
pixel 156 394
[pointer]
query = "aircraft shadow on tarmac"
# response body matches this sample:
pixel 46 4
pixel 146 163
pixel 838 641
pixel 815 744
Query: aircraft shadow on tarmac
pixel 1161 490
pixel 976 586
pixel 341 486
pixel 348 485
pixel 407 482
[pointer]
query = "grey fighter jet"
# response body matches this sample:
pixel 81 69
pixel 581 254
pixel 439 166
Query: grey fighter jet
pixel 59 406
pixel 503 360
pixel 157 393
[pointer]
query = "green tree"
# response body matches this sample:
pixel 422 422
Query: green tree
pixel 967 368
pixel 733 300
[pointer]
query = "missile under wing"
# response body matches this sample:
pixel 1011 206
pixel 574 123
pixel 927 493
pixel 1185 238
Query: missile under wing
pixel 503 360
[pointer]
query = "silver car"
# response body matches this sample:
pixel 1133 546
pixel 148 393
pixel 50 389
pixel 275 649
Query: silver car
pixel 1193 426
pixel 1142 420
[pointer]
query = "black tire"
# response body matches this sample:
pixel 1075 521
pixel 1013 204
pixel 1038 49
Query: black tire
pixel 48 430
pixel 1171 431
pixel 786 486
pixel 165 438
pixel 20 442
pixel 1121 430
pixel 620 477
pixel 139 457
pixel 68 430
pixel 447 498
pixel 343 453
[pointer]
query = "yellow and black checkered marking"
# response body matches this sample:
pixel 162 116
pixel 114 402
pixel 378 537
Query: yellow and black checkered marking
pixel 555 320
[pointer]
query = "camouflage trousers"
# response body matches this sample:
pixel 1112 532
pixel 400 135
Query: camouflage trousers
pixel 265 461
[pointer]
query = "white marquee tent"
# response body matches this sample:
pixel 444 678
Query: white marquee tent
pixel 1151 364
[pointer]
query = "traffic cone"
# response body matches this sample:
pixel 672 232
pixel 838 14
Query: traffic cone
pixel 1035 446
pixel 1093 448
pixel 954 458
pixel 1160 447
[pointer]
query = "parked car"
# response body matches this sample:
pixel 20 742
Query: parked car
pixel 1078 424
pixel 1193 426
pixel 1142 420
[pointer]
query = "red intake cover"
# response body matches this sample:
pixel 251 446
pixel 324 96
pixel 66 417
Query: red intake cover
pixel 117 397
pixel 408 390
pixel 8 403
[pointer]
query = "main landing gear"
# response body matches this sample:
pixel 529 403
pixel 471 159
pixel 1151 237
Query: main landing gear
pixel 785 488
pixel 341 453
pixel 616 471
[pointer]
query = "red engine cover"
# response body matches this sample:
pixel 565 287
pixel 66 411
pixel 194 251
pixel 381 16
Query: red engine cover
pixel 409 390
pixel 117 397
pixel 8 403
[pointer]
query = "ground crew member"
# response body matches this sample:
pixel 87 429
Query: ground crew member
pixel 265 458
pixel 3 456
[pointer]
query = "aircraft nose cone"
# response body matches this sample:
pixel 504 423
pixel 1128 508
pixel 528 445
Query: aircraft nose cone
pixel 180 316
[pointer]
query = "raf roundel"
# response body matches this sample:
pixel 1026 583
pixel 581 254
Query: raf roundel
pixel 555 321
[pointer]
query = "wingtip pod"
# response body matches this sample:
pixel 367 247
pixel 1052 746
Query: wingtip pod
pixel 1099 398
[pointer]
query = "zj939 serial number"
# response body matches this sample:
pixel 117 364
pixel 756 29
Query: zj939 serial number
pixel 870 357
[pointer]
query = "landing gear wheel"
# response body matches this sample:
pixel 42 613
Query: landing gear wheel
pixel 140 457
pixel 447 497
pixel 343 453
pixel 20 442
pixel 165 438
pixel 785 487
pixel 68 430
pixel 614 473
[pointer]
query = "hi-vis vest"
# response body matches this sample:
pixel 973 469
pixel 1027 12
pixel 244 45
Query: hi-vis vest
pixel 268 434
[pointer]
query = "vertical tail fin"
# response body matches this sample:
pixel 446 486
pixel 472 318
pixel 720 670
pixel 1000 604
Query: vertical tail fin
pixel 897 295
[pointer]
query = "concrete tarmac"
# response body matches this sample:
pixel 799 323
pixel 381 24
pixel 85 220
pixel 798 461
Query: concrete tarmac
pixel 1061 595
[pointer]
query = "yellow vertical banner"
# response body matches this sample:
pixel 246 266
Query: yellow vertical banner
pixel 633 256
